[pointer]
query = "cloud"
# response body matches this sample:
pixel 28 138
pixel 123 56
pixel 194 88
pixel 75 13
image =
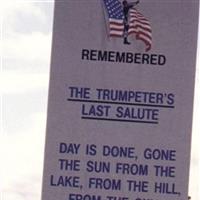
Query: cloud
pixel 23 155
pixel 34 47
pixel 15 82
pixel 14 9
pixel 26 35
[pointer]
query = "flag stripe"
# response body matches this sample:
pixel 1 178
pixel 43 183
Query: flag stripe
pixel 116 34
pixel 143 35
pixel 145 22
pixel 147 42
pixel 116 21
pixel 116 29
pixel 144 27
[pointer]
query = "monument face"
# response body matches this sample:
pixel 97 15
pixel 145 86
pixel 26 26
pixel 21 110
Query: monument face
pixel 120 100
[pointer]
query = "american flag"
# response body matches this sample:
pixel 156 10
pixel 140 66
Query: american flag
pixel 139 26
pixel 116 17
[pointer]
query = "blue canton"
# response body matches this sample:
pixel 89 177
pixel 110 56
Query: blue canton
pixel 114 9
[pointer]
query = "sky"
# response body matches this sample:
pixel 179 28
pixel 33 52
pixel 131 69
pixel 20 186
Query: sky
pixel 26 45
pixel 26 34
